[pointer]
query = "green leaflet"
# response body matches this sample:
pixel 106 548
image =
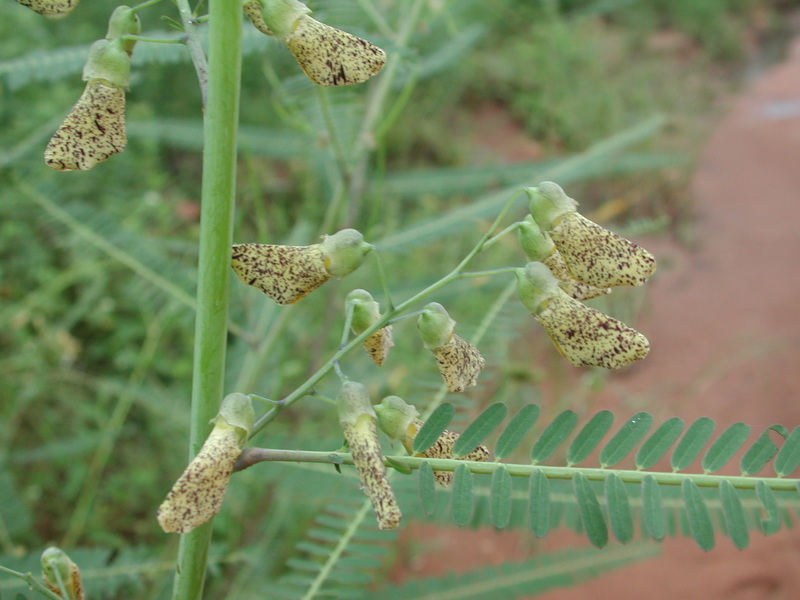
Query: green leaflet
pixel 553 435
pixel 620 515
pixel 516 430
pixel 475 433
pixel 772 523
pixel 760 453
pixel 539 504
pixel 594 524
pixel 725 446
pixel 699 521
pixel 656 446
pixel 463 504
pixel 734 516
pixel 653 515
pixel 789 455
pixel 434 427
pixel 427 489
pixel 630 434
pixel 588 438
pixel 500 499
pixel 692 443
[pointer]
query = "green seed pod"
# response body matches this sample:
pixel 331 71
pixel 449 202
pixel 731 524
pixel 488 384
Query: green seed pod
pixel 124 21
pixel 198 493
pixel 58 570
pixel 52 9
pixel 366 312
pixel 344 251
pixel 359 425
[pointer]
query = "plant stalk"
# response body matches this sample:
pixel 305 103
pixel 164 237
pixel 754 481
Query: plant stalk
pixel 216 228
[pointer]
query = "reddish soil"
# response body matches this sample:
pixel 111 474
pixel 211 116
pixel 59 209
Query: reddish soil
pixel 724 324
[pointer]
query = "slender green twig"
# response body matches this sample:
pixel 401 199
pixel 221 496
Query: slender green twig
pixel 32 582
pixel 144 5
pixel 216 227
pixel 199 60
pixel 139 38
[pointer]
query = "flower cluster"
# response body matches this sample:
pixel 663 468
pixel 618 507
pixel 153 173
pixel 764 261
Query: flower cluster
pixel 591 260
pixel 94 130
pixel 329 56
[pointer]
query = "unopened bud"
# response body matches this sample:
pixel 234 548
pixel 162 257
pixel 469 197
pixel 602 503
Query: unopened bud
pixel 59 572
pixel 366 312
pixel 458 361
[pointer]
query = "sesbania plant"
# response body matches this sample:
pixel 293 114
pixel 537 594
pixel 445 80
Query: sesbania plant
pixel 564 259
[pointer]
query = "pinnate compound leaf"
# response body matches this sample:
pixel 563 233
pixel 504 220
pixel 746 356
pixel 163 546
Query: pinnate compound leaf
pixel 433 427
pixel 500 499
pixel 463 500
pixel 588 438
pixel 734 515
pixel 553 435
pixel 517 429
pixel 653 516
pixel 427 489
pixel 697 515
pixel 630 434
pixel 772 523
pixel 725 446
pixel 789 455
pixel 479 429
pixel 539 507
pixel 620 516
pixel 656 446
pixel 759 454
pixel 692 443
pixel 594 524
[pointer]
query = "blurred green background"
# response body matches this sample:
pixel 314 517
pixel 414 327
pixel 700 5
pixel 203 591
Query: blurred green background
pixel 611 98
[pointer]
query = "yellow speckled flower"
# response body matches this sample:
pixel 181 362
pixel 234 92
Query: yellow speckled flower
pixel 458 361
pixel 328 56
pixel 58 570
pixel 287 273
pixel 400 421
pixel 359 425
pixel 52 9
pixel 198 493
pixel 592 254
pixel 584 336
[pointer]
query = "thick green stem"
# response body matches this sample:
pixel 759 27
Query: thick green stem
pixel 216 222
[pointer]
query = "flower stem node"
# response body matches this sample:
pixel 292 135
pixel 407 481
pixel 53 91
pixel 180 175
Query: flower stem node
pixel 328 56
pixel 400 421
pixel 359 425
pixel 538 246
pixel 459 362
pixel 584 336
pixel 593 254
pixel 366 312
pixel 60 573
pixel 287 273
pixel 198 493
pixel 52 9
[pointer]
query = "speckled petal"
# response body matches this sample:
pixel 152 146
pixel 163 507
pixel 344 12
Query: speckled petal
pixel 573 287
pixel 52 9
pixel 253 11
pixel 197 495
pixel 599 257
pixel 92 132
pixel 443 448
pixel 378 345
pixel 332 57
pixel 362 439
pixel 587 338
pixel 284 273
pixel 459 363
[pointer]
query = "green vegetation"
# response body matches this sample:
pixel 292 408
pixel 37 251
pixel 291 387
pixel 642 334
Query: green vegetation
pixel 99 274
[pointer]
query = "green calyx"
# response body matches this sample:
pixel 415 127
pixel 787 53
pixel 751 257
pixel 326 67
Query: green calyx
pixel 353 402
pixel 281 16
pixel 108 61
pixel 236 411
pixel 58 570
pixel 548 202
pixel 365 310
pixel 536 285
pixel 435 326
pixel 535 243
pixel 344 251
pixel 395 415
pixel 124 21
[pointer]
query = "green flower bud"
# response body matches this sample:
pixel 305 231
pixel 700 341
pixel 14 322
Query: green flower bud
pixel 52 9
pixel 535 243
pixel 58 572
pixel 396 418
pixel 366 312
pixel 124 21
pixel 108 61
pixel 536 285
pixel 435 326
pixel 198 493
pixel 344 251
pixel 282 16
pixel 548 202
pixel 359 425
